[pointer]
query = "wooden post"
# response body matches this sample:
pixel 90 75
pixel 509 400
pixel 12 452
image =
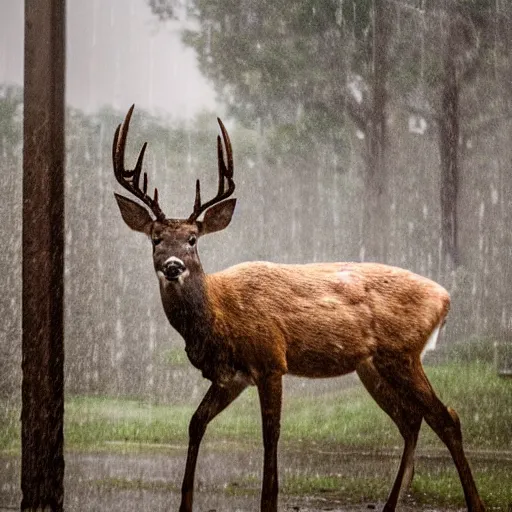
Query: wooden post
pixel 42 464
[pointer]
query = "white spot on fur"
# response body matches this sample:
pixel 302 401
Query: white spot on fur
pixel 166 282
pixel 243 378
pixel 345 276
pixel 432 341
pixel 173 258
pixel 182 277
pixel 162 279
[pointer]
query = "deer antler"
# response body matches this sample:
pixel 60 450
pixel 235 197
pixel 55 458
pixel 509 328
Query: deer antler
pixel 225 173
pixel 129 179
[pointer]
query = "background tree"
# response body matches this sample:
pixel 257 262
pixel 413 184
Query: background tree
pixel 321 68
pixel 455 90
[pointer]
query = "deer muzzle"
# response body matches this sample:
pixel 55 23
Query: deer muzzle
pixel 173 268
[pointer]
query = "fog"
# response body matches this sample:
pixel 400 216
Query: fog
pixel 118 53
pixel 357 136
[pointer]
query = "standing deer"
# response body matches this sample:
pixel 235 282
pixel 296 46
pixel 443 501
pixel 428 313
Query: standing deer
pixel 255 322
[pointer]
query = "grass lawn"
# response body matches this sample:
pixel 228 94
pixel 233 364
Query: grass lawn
pixel 346 419
pixel 349 417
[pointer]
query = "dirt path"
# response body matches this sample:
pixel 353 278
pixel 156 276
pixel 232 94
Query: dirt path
pixel 228 479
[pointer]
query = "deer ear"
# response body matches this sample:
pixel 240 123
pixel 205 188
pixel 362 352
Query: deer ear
pixel 134 215
pixel 217 217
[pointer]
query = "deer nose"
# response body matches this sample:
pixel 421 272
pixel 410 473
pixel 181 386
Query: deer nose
pixel 173 268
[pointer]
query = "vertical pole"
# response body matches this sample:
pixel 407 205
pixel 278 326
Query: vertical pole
pixel 42 464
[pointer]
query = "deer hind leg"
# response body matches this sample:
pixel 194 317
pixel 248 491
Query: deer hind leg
pixel 217 398
pixel 407 376
pixel 407 419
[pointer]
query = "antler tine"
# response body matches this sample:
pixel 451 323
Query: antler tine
pixel 197 202
pixel 225 173
pixel 221 165
pixel 129 179
pixel 229 150
pixel 138 168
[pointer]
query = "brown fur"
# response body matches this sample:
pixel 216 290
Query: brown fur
pixel 321 320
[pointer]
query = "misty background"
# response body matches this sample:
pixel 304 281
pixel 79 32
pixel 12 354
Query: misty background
pixel 361 131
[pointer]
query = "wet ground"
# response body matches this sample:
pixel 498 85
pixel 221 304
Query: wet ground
pixel 228 479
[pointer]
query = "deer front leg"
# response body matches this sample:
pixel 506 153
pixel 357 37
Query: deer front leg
pixel 270 391
pixel 217 398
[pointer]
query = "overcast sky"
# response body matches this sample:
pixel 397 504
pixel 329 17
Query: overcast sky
pixel 117 54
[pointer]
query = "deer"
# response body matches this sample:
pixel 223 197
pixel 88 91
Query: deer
pixel 255 322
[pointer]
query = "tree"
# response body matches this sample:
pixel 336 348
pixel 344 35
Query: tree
pixel 376 211
pixel 456 90
pixel 320 67
pixel 324 66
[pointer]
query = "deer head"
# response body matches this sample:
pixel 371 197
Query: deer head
pixel 174 240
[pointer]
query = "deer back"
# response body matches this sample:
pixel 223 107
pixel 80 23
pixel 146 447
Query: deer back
pixel 320 320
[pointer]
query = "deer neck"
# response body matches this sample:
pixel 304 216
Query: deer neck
pixel 185 303
pixel 187 309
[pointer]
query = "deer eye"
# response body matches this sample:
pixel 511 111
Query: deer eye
pixel 155 241
pixel 192 240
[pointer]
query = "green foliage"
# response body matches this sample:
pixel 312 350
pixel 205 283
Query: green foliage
pixel 289 67
pixel 300 54
pixel 11 104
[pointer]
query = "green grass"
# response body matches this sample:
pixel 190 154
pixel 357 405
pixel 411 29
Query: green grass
pixel 347 418
pixel 483 401
pixel 351 418
pixel 9 427
pixel 441 487
pixel 438 487
pixel 94 422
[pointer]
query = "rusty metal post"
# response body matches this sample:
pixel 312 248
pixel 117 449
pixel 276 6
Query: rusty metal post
pixel 42 468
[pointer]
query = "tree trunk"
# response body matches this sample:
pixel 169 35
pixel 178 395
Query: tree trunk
pixel 376 217
pixel 42 462
pixel 448 147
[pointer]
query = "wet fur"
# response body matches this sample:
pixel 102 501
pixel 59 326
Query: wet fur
pixel 332 323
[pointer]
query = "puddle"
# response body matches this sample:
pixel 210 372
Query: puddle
pixel 228 479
